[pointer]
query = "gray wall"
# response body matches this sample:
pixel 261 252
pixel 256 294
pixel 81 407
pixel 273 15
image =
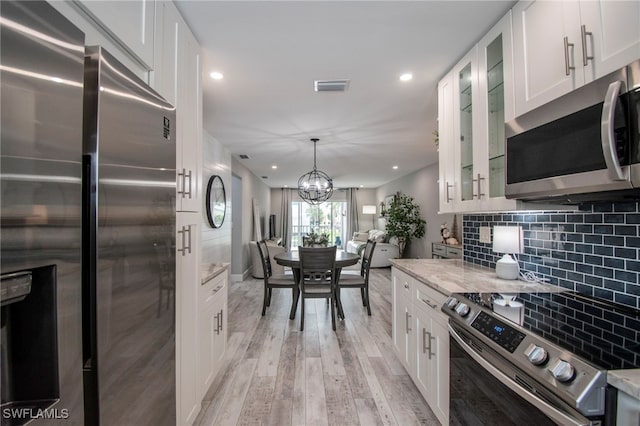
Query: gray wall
pixel 422 185
pixel 252 188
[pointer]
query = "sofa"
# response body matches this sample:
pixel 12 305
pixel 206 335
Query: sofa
pixel 385 250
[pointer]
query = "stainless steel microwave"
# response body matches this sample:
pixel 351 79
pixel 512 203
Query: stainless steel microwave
pixel 581 147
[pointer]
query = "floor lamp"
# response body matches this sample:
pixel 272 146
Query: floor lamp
pixel 370 210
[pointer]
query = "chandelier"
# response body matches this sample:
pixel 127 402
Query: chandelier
pixel 316 186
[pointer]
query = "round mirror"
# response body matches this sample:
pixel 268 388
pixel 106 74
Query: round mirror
pixel 216 201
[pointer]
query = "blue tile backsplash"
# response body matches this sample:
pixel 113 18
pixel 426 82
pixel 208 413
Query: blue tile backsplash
pixel 593 250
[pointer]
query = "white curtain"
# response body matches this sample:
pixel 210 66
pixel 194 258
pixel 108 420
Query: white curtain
pixel 352 206
pixel 285 214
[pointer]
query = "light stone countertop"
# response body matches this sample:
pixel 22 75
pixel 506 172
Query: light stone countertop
pixel 627 381
pixel 456 276
pixel 211 270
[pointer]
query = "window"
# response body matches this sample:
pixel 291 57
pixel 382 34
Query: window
pixel 329 217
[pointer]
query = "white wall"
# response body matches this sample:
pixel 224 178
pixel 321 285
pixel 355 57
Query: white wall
pixel 252 188
pixel 422 185
pixel 216 242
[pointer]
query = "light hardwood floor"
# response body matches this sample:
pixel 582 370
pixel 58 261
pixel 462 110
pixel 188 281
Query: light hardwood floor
pixel 276 375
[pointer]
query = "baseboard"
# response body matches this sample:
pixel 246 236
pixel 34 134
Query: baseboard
pixel 236 278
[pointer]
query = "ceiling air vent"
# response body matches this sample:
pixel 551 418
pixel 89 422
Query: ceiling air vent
pixel 244 156
pixel 331 85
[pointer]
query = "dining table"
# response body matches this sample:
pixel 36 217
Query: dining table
pixel 291 259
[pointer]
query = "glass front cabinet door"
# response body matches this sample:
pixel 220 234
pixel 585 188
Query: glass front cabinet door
pixel 496 105
pixel 482 100
pixel 465 100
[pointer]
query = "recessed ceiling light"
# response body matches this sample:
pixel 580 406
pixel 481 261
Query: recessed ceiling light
pixel 406 76
pixel 274 167
pixel 395 167
pixel 216 75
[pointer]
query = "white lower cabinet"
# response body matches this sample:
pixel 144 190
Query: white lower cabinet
pixel 421 339
pixel 432 360
pixel 187 282
pixel 212 329
pixel 403 340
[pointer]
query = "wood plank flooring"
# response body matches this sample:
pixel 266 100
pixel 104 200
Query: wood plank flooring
pixel 276 375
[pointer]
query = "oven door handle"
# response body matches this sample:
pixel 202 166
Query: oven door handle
pixel 551 411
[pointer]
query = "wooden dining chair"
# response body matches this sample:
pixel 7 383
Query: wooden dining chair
pixel 272 281
pixel 317 277
pixel 357 281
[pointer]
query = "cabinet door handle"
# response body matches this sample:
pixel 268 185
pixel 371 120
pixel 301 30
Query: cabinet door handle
pixel 430 346
pixel 567 66
pixel 585 57
pixel 448 185
pixel 478 180
pixel 428 302
pixel 185 176
pixel 221 319
pixel 407 316
pixel 406 286
pixel 185 248
pixel 424 340
pixel 217 330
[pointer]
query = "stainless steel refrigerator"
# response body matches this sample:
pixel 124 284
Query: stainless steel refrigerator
pixel 41 83
pixel 88 231
pixel 128 258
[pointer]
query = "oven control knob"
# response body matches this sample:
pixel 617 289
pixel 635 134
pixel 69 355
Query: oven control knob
pixel 462 309
pixel 562 371
pixel 452 302
pixel 536 354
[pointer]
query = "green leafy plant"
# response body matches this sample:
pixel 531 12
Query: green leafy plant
pixel 404 221
pixel 315 239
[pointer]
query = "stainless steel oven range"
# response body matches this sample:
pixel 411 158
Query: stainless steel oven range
pixel 537 358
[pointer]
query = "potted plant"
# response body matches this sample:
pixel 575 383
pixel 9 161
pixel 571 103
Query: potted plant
pixel 313 239
pixel 404 221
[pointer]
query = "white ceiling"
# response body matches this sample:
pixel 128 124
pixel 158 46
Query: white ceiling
pixel 271 52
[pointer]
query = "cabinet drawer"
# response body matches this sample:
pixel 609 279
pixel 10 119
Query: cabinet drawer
pixel 403 283
pixel 210 289
pixel 439 249
pixel 427 297
pixel 454 252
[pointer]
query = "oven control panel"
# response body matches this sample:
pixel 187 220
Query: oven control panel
pixel 501 333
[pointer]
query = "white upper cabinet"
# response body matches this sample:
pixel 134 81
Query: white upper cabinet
pixel 467 161
pixel 474 101
pixel 561 45
pixel 130 22
pixel 496 105
pixel 164 75
pixel 612 33
pixel 446 181
pixel 177 77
